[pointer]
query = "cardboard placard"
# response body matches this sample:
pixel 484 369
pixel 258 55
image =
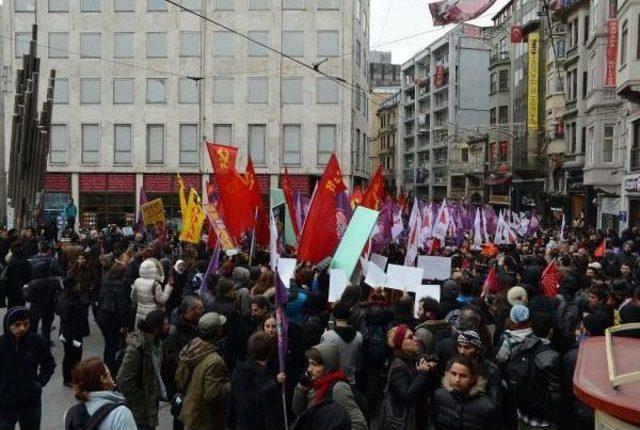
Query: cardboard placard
pixel 403 278
pixel 435 268
pixel 337 284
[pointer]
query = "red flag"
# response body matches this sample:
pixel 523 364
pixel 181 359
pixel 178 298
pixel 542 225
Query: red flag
pixel 235 197
pixel 372 198
pixel 599 252
pixel 288 197
pixel 262 226
pixel 490 285
pixel 355 199
pixel 549 280
pixel 516 34
pixel 212 237
pixel 319 238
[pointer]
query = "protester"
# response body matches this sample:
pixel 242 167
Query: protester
pixel 99 404
pixel 113 312
pixel 18 274
pixel 26 365
pixel 40 293
pixel 202 377
pixel 139 375
pixel 147 292
pixel 74 325
pixel 70 213
pixel 347 340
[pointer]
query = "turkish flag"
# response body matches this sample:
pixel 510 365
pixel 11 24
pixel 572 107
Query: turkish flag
pixel 490 284
pixel 599 251
pixel 288 197
pixel 373 196
pixel 355 199
pixel 235 196
pixel 516 34
pixel 319 237
pixel 262 222
pixel 549 280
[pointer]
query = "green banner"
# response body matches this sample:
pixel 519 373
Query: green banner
pixel 354 239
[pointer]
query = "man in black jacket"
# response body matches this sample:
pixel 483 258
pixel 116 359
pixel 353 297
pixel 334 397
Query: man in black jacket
pixel 40 292
pixel 27 366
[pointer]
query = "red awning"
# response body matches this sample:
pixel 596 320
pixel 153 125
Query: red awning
pixel 500 180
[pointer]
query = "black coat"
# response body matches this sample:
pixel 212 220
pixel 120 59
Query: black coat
pixel 41 293
pixel 18 274
pixel 451 410
pixel 256 402
pixel 113 304
pixel 577 414
pixel 180 335
pixel 74 316
pixel 26 366
pixel 410 388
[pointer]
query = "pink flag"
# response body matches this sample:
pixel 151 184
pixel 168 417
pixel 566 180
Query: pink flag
pixel 455 11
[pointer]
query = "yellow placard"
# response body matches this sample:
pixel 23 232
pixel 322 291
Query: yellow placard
pixel 226 241
pixel 192 228
pixel 153 213
pixel 532 93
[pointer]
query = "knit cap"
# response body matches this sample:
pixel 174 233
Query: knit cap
pixel 517 295
pixel 519 314
pixel 470 337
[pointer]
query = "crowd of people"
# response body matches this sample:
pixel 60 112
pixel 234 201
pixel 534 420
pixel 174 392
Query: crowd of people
pixel 207 342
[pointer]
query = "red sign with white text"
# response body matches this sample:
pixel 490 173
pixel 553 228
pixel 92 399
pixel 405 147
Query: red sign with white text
pixel 612 51
pixel 57 182
pixel 107 182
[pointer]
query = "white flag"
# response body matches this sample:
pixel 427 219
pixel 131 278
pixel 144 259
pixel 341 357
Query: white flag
pixel 413 239
pixel 441 224
pixel 477 233
pixel 562 229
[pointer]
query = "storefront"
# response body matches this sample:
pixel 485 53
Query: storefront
pixel 576 193
pixel 57 192
pixel 632 194
pixel 610 214
pixel 107 198
pixel 166 187
pixel 499 190
pixel 525 193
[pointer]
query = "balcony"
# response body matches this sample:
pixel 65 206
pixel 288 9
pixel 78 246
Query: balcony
pixel 409 101
pixel 439 181
pixel 498 59
pixel 439 161
pixel 409 133
pixel 571 105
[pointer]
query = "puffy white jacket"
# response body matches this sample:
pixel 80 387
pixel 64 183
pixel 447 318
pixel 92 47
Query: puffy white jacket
pixel 147 291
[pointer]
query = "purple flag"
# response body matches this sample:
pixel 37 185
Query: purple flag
pixel 343 213
pixel 211 269
pixel 381 234
pixel 140 221
pixel 281 296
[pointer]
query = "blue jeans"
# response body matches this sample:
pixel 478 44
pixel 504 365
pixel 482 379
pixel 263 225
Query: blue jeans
pixel 28 418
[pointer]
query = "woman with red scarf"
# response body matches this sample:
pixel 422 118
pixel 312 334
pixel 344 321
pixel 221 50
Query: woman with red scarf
pixel 324 380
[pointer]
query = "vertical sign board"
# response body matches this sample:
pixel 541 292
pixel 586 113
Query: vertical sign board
pixel 532 91
pixel 612 52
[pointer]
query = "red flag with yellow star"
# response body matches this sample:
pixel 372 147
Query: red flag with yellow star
pixel 235 196
pixel 319 237
pixel 262 222
pixel 373 196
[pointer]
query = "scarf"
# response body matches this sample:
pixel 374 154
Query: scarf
pixel 322 384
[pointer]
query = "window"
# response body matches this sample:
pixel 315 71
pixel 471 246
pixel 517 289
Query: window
pixel 192 4
pixel 258 90
pixel 156 5
pixel 90 136
pixel 188 91
pixel 58 45
pixel 123 6
pixel 155 143
pixel 256 50
pixel 493 83
pixel 258 4
pixel 188 144
pixel 503 80
pixel 156 45
pixel 222 134
pixel 22 44
pixel 190 43
pixel 327 91
pixel 58 143
pixel 293 43
pixel 464 155
pixel 585 84
pixel 61 91
pixel 223 5
pixel 293 4
pixel 90 91
pixel 560 49
pixel 123 45
pixel 592 141
pixel 572 138
pixel 328 4
pixel 122 91
pixel 90 6
pixel 90 45
pixel 634 164
pixel 122 144
pixel 623 42
pixel 257 143
pixel 638 41
pixel 327 44
pixel 223 90
pixel 503 114
pixel 583 142
pixel 607 143
pixel 58 5
pixel 156 90
pixel 292 91
pixel 585 34
pixel 222 44
pixel 326 142
pixel 25 5
pixel 291 142
pixel 358 53
pixel 492 116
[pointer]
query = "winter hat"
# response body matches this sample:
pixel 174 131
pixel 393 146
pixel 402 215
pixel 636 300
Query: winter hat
pixel 210 324
pixel 327 354
pixel 470 337
pixel 151 269
pixel 519 314
pixel 517 295
pixel 341 311
pixel 16 313
pixel 595 324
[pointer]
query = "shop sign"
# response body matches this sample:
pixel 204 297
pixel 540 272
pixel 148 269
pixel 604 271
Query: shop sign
pixel 612 51
pixel 93 182
pixel 96 182
pixel 123 183
pixel 532 90
pixel 57 182
pixel 632 184
pixel 168 183
pixel 499 199
pixel 299 184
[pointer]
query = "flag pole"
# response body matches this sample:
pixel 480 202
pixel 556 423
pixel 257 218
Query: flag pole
pixel 253 236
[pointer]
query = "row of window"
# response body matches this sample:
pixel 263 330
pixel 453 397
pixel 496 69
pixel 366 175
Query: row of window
pixel 503 115
pixel 499 81
pixel 257 91
pixel 608 137
pixel 124 45
pixel 123 142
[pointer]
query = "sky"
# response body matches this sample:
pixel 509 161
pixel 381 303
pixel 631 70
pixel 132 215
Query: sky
pixel 410 20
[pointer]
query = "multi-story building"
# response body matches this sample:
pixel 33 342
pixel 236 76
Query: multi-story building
pixel 443 100
pixel 140 84
pixel 375 100
pixel 386 142
pixel 384 76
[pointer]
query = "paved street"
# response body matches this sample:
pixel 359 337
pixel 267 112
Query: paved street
pixel 57 398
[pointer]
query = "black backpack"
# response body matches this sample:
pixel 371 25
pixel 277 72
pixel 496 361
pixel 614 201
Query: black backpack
pixel 78 417
pixel 523 379
pixel 376 344
pixel 328 415
pixel 360 400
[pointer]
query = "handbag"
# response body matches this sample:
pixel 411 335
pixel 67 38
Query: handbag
pixel 388 417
